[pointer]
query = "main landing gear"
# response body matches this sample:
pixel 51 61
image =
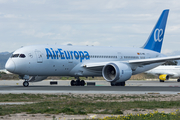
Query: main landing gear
pixel 25 83
pixel 161 80
pixel 78 82
pixel 118 84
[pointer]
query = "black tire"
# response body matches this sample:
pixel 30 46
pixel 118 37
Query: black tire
pixel 25 83
pixel 118 84
pixel 161 80
pixel 73 83
pixel 113 84
pixel 178 80
pixel 78 82
pixel 123 83
pixel 82 83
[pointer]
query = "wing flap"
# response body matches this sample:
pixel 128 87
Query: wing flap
pixel 95 64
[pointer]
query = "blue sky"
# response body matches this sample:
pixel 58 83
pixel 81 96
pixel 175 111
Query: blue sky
pixel 86 22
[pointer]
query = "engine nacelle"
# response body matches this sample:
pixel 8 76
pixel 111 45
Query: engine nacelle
pixel 164 77
pixel 116 72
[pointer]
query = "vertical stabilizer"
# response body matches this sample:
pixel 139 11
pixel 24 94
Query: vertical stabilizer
pixel 155 39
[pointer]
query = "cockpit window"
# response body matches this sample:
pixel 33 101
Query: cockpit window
pixel 22 56
pixel 15 55
pixel 18 55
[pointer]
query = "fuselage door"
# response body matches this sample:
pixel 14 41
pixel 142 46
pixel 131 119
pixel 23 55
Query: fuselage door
pixel 120 56
pixel 70 60
pixel 39 56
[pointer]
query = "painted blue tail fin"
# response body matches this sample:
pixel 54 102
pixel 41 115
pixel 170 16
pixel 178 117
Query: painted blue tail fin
pixel 155 39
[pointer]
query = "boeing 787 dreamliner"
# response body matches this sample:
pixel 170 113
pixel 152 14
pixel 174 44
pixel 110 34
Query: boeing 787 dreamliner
pixel 115 64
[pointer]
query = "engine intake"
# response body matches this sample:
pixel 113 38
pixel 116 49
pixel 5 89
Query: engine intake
pixel 116 72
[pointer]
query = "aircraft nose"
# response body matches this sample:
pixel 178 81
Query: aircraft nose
pixel 10 65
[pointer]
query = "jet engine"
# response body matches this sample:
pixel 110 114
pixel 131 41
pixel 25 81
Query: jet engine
pixel 116 72
pixel 164 77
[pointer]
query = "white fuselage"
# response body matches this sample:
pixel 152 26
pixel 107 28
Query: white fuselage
pixel 171 70
pixel 54 60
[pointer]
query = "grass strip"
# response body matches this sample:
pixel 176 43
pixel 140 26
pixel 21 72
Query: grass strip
pixel 80 104
pixel 73 107
pixel 80 97
pixel 150 116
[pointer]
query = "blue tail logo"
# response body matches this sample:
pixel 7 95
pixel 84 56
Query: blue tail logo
pixel 155 39
pixel 158 35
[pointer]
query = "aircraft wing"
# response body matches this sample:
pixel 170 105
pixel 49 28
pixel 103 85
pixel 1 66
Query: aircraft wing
pixel 153 60
pixel 133 63
pixel 161 72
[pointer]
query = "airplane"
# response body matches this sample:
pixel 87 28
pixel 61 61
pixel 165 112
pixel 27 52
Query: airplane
pixel 165 72
pixel 116 64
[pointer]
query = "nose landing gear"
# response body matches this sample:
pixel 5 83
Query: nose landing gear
pixel 25 83
pixel 26 80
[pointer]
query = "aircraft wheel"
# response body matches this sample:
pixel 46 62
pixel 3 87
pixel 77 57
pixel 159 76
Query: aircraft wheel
pixel 178 80
pixel 78 82
pixel 25 83
pixel 123 83
pixel 118 84
pixel 82 83
pixel 161 80
pixel 113 84
pixel 73 83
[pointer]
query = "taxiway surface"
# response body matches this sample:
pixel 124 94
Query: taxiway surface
pixel 101 87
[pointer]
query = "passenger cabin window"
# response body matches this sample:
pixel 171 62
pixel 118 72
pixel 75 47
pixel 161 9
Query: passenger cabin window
pixel 14 55
pixel 22 56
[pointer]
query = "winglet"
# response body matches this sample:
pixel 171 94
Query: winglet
pixel 155 39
